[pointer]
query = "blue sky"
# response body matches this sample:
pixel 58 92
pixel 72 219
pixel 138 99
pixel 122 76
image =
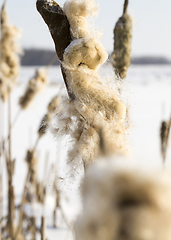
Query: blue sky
pixel 151 34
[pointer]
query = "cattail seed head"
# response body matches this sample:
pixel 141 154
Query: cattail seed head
pixel 121 56
pixel 9 60
pixel 35 85
pixel 44 125
pixel 164 136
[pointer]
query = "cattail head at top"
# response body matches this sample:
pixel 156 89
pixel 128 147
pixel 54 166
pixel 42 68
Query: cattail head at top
pixel 121 56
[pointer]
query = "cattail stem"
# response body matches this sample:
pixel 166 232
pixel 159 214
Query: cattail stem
pixel 9 127
pixel 54 218
pixel 52 61
pixel 15 118
pixel 21 206
pixel 10 176
pixel 45 179
pixel 1 163
pixel 36 143
pixel 1 203
pixel 64 218
pixel 14 122
pixel 125 6
pixel 43 228
pixel 33 219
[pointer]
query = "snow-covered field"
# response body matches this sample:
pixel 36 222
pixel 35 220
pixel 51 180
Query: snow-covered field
pixel 147 90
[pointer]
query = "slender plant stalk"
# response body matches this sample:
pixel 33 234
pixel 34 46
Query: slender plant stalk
pixel 33 228
pixel 125 6
pixel 21 206
pixel 52 61
pixel 36 143
pixel 10 177
pixel 43 227
pixel 45 178
pixel 1 163
pixel 1 203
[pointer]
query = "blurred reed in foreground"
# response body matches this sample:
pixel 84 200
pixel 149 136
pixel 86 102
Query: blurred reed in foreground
pixel 122 202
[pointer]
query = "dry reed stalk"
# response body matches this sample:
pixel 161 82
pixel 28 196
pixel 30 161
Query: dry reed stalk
pixel 10 172
pixel 21 211
pixel 32 165
pixel 30 178
pixel 43 228
pixel 9 62
pixel 121 57
pixel 40 192
pixel 57 201
pixel 33 220
pixel 1 158
pixel 1 186
pixel 35 85
pixel 1 199
pixel 42 186
pixel 92 103
pixel 124 202
pixel 164 136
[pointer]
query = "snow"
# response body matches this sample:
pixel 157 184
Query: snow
pixel 147 90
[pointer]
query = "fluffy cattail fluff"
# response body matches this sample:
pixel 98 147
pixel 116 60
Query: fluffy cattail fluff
pixel 36 84
pixel 121 56
pixel 9 60
pixel 77 11
pixel 164 136
pixel 95 105
pixel 124 203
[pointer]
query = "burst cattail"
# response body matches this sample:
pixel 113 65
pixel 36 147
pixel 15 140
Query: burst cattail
pixel 92 105
pixel 35 85
pixel 121 56
pixel 9 60
pixel 124 203
pixel 164 136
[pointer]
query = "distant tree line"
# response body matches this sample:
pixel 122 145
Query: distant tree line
pixel 150 60
pixel 42 57
pixel 38 57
